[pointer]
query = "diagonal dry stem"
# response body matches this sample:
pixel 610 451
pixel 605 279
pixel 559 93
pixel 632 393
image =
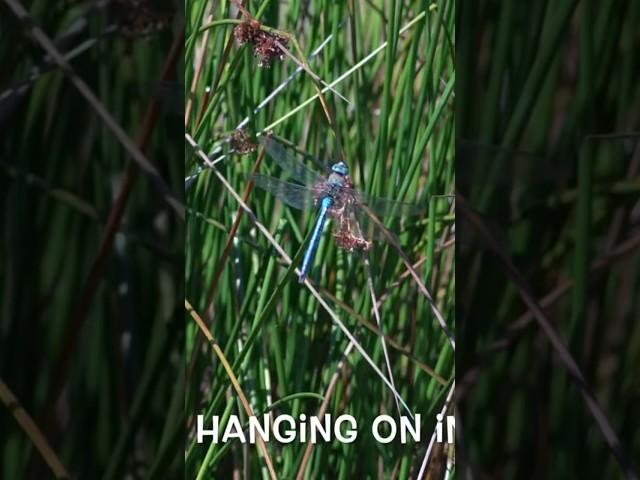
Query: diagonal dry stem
pixel 33 432
pixel 234 381
pixel 376 314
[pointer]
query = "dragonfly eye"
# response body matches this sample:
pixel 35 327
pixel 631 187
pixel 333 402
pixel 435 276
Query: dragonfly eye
pixel 340 168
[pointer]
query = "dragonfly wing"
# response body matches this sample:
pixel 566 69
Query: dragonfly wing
pixel 289 163
pixel 361 217
pixel 354 229
pixel 296 196
pixel 385 207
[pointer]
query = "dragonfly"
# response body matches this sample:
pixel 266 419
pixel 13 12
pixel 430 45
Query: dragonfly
pixel 334 197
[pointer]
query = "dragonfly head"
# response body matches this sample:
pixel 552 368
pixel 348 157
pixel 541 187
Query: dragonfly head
pixel 340 168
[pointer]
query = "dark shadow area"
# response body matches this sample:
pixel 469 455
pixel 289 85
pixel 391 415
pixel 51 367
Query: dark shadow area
pixel 92 239
pixel 548 257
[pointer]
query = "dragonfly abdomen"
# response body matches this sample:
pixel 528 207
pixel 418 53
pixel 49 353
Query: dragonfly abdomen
pixel 325 205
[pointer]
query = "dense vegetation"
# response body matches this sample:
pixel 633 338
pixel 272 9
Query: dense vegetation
pixel 91 262
pixel 278 346
pixel 546 109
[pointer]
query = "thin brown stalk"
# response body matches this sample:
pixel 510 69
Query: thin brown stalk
pixel 32 431
pixel 234 381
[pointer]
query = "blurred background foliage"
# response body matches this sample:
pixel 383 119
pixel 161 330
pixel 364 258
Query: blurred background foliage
pixel 546 96
pixel 90 335
pixel 396 135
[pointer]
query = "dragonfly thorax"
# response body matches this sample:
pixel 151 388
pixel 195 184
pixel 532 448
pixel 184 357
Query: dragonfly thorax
pixel 339 175
pixel 340 168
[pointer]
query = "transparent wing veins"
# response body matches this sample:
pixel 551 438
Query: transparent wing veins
pixel 296 196
pixel 287 161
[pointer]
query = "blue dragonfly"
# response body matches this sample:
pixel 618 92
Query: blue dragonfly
pixel 333 195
